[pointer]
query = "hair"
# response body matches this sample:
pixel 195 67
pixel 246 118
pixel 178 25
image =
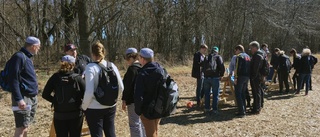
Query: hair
pixel 239 47
pixel 147 59
pixel 276 49
pixel 98 50
pixel 264 45
pixel 306 52
pixel 255 44
pixel 203 46
pixel 294 52
pixel 132 55
pixel 66 66
pixel 281 52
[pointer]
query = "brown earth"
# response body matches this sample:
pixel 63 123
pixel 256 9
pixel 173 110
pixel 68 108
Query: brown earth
pixel 283 115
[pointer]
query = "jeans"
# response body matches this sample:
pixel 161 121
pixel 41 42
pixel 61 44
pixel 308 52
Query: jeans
pixel 101 119
pixel 214 83
pixel 135 124
pixel 306 78
pixel 69 127
pixel 295 80
pixel 199 91
pixel 240 88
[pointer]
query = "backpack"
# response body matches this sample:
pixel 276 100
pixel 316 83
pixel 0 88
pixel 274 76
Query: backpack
pixel 5 72
pixel 165 101
pixel 285 63
pixel 67 94
pixel 108 88
pixel 211 65
pixel 265 67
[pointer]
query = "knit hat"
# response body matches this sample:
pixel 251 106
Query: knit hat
pixel 33 40
pixel 146 53
pixel 131 50
pixel 68 58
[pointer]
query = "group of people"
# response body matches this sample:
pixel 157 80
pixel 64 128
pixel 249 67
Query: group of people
pixel 71 91
pixel 209 70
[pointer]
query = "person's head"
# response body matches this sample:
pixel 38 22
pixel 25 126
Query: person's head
pixel 33 45
pixel 276 51
pixel 264 46
pixel 98 52
pixel 145 56
pixel 131 55
pixel 203 48
pixel 238 49
pixel 67 63
pixel 293 52
pixel 254 46
pixel 215 49
pixel 70 49
pixel 306 52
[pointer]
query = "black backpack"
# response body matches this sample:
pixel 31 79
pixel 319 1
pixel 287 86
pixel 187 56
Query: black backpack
pixel 108 88
pixel 165 101
pixel 211 64
pixel 265 67
pixel 285 63
pixel 67 95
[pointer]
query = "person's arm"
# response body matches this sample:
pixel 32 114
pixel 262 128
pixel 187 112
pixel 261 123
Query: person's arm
pixel 128 80
pixel 232 65
pixel 257 60
pixel 49 88
pixel 221 66
pixel 15 66
pixel 89 78
pixel 120 83
pixel 138 94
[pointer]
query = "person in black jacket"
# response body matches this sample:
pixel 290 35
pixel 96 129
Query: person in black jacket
pixel 129 79
pixel 197 73
pixel 213 69
pixel 241 78
pixel 275 62
pixel 283 71
pixel 145 89
pixel 81 60
pixel 68 116
pixel 295 65
pixel 256 77
pixel 305 69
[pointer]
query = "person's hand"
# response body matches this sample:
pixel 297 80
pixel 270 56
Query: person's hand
pixel 22 104
pixel 124 105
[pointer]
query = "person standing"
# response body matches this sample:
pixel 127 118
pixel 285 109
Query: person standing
pixel 284 70
pixel 304 70
pixel 81 60
pixel 197 73
pixel 295 65
pixel 256 77
pixel 24 85
pixel 129 79
pixel 68 89
pixel 241 78
pixel 99 117
pixel 145 89
pixel 213 72
pixel 275 62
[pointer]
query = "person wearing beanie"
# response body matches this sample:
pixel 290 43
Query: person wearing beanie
pixel 129 80
pixel 213 69
pixel 23 85
pixel 67 116
pixel 256 77
pixel 197 73
pixel 81 60
pixel 145 89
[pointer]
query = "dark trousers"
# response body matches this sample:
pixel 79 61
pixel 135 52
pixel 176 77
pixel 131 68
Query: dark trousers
pixel 283 78
pixel 101 119
pixel 256 93
pixel 199 90
pixel 240 88
pixel 68 128
pixel 295 80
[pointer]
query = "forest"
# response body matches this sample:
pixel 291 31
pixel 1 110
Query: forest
pixel 174 29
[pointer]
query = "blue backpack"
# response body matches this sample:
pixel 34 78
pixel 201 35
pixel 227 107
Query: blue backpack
pixel 5 72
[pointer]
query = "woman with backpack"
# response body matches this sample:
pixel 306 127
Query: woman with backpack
pixel 129 79
pixel 100 117
pixel 68 89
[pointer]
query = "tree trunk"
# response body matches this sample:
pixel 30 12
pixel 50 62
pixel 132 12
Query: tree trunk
pixel 83 27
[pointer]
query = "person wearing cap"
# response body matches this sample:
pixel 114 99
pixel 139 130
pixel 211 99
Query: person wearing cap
pixel 213 69
pixel 256 77
pixel 145 89
pixel 197 73
pixel 81 60
pixel 129 79
pixel 99 117
pixel 66 122
pixel 24 85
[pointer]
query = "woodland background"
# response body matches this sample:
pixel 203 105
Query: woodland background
pixel 173 28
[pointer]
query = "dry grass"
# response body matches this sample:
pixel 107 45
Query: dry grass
pixel 283 115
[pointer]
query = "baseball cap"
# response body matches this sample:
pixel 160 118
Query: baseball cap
pixel 215 48
pixel 33 40
pixel 68 58
pixel 131 50
pixel 146 53
pixel 69 47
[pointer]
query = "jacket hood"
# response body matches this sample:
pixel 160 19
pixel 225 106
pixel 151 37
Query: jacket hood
pixel 151 67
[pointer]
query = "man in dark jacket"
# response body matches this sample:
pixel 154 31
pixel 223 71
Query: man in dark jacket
pixel 81 60
pixel 197 73
pixel 213 69
pixel 241 78
pixel 284 70
pixel 145 89
pixel 256 77
pixel 304 70
pixel 24 85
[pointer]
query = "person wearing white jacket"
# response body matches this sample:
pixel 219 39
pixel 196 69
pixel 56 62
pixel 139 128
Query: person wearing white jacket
pixel 99 117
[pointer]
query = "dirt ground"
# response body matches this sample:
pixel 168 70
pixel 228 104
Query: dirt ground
pixel 282 115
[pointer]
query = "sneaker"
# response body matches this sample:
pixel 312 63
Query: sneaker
pixel 214 112
pixel 297 92
pixel 241 115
